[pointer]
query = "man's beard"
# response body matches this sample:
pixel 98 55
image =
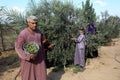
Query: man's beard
pixel 33 29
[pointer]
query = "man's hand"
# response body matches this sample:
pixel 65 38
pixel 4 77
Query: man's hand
pixel 51 45
pixel 33 56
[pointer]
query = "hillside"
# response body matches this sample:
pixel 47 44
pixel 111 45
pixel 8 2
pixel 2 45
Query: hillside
pixel 104 67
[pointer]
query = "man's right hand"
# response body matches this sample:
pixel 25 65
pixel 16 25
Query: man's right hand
pixel 32 56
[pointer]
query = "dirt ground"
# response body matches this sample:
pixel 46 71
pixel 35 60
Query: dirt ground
pixel 104 67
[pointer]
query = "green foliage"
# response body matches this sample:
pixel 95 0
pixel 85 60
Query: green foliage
pixel 109 27
pixel 58 20
pixel 14 19
pixel 55 19
pixel 77 69
pixel 93 43
pixel 88 12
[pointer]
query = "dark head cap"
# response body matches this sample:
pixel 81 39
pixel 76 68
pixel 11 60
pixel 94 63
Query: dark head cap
pixel 81 28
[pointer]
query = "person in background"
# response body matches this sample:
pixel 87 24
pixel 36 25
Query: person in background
pixel 79 57
pixel 32 66
pixel 47 47
pixel 91 28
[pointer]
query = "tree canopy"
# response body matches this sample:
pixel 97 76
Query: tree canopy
pixel 59 20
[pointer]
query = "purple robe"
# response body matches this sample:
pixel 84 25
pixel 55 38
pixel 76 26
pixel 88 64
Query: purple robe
pixel 31 70
pixel 79 58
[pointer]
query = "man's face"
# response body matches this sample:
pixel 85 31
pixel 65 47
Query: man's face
pixel 32 25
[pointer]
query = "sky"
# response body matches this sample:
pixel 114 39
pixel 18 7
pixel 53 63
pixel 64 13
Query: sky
pixel 112 6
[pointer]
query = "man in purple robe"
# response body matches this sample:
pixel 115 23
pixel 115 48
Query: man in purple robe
pixel 79 58
pixel 32 65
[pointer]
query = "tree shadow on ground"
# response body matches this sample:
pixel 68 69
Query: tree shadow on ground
pixel 8 61
pixel 55 75
pixel 92 54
